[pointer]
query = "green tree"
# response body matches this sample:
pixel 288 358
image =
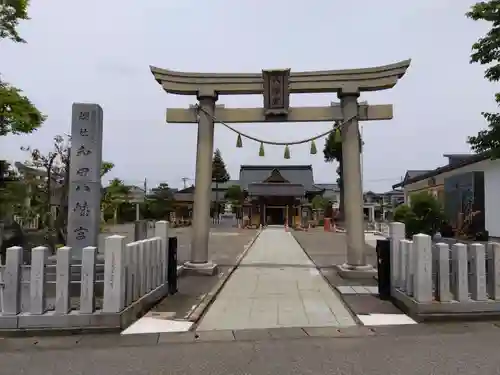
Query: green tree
pixel 12 190
pixel 54 167
pixel 219 171
pixel 319 203
pixel 333 152
pixel 219 175
pixel 106 167
pixel 234 194
pixel 115 194
pixel 160 202
pixel 423 215
pixel 11 12
pixel 486 51
pixel 17 114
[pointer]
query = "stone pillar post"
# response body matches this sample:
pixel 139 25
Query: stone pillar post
pixel 353 192
pixel 203 187
pixel 137 212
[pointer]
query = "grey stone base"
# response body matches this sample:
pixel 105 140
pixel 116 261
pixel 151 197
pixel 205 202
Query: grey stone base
pixel 446 310
pixel 76 321
pixel 206 269
pixel 347 271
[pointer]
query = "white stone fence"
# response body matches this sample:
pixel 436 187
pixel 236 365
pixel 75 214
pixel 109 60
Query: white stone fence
pixel 65 294
pixel 435 279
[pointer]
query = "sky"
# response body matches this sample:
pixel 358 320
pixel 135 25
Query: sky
pixel 100 51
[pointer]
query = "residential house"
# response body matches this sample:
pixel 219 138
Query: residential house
pixel 467 184
pixel 331 192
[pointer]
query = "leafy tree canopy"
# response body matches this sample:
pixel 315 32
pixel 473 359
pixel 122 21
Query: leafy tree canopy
pixel 319 203
pixel 17 114
pixel 160 201
pixel 11 12
pixel 486 51
pixel 423 215
pixel 234 193
pixel 219 171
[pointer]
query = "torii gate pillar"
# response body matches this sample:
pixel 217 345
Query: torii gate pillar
pixel 203 188
pixel 353 192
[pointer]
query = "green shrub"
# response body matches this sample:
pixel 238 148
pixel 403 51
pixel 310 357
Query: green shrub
pixel 423 215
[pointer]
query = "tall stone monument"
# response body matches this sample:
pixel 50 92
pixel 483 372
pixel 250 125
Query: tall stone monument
pixel 85 177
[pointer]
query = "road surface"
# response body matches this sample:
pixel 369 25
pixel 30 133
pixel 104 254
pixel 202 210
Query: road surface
pixel 470 353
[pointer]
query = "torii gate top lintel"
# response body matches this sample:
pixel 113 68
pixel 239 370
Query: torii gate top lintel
pixel 321 81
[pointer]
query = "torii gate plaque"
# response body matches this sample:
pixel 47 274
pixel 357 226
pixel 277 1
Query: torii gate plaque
pixel 276 86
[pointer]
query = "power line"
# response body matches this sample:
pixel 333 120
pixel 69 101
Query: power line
pixel 185 180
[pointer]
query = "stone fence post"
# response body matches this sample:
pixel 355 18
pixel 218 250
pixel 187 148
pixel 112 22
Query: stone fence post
pixel 12 281
pixel 422 244
pixel 396 233
pixel 443 272
pixel 493 251
pixel 162 229
pixel 63 280
pixel 114 274
pixel 478 287
pixel 39 257
pixel 87 281
pixel 460 272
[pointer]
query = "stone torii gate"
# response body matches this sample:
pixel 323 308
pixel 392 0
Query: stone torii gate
pixel 276 87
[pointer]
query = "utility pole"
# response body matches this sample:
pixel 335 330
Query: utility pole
pixel 138 203
pixel 184 181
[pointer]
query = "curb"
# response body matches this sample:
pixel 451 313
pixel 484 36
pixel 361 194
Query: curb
pixel 197 313
pixel 99 341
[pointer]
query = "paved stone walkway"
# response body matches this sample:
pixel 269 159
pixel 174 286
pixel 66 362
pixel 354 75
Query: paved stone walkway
pixel 276 285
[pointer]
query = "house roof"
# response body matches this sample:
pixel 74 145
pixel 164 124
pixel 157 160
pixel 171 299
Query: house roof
pixel 294 174
pixel 464 161
pixel 225 185
pixel 410 175
pixel 394 192
pixel 276 189
pixel 329 187
pixel 189 189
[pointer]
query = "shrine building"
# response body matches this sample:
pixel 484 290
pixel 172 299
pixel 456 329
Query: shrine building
pixel 274 194
pixel 277 194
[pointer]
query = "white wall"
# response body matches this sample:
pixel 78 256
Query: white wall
pixel 492 198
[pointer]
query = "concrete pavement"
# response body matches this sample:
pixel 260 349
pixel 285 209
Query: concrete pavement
pixel 410 350
pixel 276 285
pixel 361 295
pixel 176 312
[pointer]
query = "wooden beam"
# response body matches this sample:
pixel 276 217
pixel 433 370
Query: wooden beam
pixel 298 114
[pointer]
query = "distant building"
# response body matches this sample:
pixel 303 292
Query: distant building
pixel 466 184
pixel 380 206
pixel 276 193
pixel 331 192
